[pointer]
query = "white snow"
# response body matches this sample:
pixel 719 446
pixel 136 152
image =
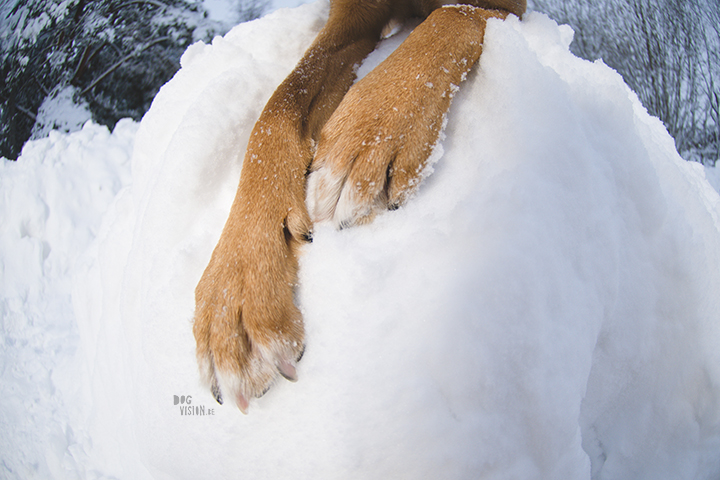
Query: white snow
pixel 52 201
pixel 59 111
pixel 227 11
pixel 277 4
pixel 546 306
pixel 713 176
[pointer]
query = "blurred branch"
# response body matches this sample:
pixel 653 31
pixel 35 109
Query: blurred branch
pixel 148 2
pixel 26 112
pixel 121 61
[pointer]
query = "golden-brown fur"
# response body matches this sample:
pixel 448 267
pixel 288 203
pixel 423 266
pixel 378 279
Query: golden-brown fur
pixel 373 141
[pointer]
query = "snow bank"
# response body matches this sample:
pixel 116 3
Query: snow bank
pixel 713 176
pixel 546 307
pixel 60 112
pixel 51 205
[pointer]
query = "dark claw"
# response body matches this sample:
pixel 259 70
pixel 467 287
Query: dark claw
pixel 263 392
pixel 216 393
pixel 302 352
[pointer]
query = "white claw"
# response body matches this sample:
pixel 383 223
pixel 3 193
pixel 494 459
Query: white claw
pixel 287 370
pixel 242 403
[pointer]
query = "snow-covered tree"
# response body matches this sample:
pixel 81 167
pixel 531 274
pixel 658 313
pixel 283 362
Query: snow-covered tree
pixel 100 58
pixel 668 51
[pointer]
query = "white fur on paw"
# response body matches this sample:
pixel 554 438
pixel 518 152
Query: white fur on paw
pixel 323 192
pixel 331 198
pixel 350 210
pixel 207 370
pixel 233 389
pixel 266 364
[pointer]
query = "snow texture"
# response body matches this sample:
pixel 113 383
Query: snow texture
pixel 546 307
pixel 59 111
pixel 52 201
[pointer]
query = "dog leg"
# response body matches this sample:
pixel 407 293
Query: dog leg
pixel 247 327
pixel 375 146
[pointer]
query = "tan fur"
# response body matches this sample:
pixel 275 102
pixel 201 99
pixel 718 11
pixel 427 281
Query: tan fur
pixel 373 142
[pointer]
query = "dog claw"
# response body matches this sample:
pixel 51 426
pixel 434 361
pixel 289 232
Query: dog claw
pixel 287 370
pixel 242 403
pixel 216 393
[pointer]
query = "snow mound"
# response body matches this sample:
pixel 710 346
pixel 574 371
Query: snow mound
pixel 52 201
pixel 545 308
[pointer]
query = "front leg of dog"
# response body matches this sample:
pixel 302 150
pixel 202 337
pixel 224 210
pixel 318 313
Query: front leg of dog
pixel 247 328
pixel 373 150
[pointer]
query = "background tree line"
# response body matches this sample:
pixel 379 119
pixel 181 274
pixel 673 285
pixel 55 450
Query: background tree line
pixel 107 58
pixel 668 52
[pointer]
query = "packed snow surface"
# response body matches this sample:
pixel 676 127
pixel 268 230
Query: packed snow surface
pixel 546 307
pixel 52 201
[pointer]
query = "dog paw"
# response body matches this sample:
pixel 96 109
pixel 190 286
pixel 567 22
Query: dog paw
pixel 371 154
pixel 247 329
pixel 373 151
